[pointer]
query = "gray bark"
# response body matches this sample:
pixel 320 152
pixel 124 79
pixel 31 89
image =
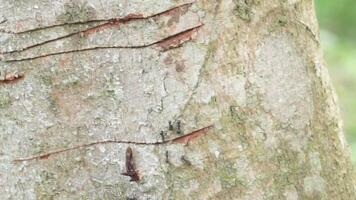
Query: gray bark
pixel 80 77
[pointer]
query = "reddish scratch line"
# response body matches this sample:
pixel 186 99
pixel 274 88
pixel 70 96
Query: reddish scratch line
pixel 185 139
pixel 194 29
pixel 107 24
pixel 97 20
pixel 177 40
pixel 12 78
pixel 178 140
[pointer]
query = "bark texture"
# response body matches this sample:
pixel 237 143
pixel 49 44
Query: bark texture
pixel 82 81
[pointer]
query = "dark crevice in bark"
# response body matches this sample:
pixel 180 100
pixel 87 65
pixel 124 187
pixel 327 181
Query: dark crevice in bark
pixel 48 41
pixel 3 21
pixel 57 25
pixel 177 40
pixel 106 24
pixel 185 139
pixel 131 16
pixel 169 42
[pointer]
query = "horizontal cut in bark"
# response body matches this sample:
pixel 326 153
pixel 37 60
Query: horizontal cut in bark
pixel 185 139
pixel 132 17
pixel 167 43
pixel 177 40
pixel 116 22
pixel 106 19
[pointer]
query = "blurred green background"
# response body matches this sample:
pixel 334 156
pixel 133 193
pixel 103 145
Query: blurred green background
pixel 337 19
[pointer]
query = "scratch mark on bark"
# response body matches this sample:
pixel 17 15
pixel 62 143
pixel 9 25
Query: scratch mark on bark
pixel 117 22
pixel 11 78
pixel 185 139
pixel 105 25
pixel 177 40
pixel 132 16
pixel 170 42
pixel 49 41
pixel 53 26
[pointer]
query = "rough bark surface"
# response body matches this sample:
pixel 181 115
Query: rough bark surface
pixel 225 99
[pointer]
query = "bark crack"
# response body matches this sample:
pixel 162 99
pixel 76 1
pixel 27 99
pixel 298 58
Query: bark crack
pixel 127 17
pixel 3 21
pixel 106 24
pixel 185 139
pixel 196 86
pixel 164 44
pixel 165 92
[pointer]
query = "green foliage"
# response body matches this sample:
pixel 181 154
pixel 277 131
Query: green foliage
pixel 338 16
pixel 338 31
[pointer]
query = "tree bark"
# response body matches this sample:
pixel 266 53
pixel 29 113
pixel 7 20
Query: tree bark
pixel 167 99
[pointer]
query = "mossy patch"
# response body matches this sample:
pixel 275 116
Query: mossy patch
pixel 75 12
pixel 213 101
pixel 46 187
pixel 5 102
pixel 233 125
pixel 46 80
pixel 282 22
pixel 243 9
pixel 108 93
pixel 227 174
pixel 177 179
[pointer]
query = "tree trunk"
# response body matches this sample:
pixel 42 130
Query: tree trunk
pixel 169 99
